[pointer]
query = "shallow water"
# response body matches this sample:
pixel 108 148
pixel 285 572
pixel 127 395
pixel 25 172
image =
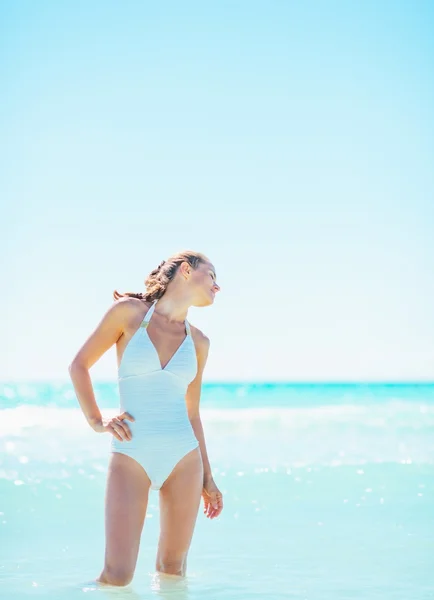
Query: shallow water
pixel 328 495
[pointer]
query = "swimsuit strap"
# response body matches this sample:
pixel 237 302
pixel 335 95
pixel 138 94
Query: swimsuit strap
pixel 187 326
pixel 148 316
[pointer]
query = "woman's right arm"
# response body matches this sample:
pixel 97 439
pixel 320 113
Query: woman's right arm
pixel 107 333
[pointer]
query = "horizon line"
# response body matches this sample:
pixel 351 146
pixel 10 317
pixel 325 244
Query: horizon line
pixel 65 381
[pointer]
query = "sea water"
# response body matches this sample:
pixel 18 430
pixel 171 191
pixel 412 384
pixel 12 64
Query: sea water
pixel 328 491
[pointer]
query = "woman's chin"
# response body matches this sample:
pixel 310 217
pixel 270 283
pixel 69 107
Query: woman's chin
pixel 205 302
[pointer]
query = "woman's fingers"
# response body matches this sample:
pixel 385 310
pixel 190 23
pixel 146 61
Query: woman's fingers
pixel 216 505
pixel 126 415
pixel 213 505
pixel 121 429
pixel 113 430
pixel 206 506
pixel 119 426
pixel 126 429
pixel 121 420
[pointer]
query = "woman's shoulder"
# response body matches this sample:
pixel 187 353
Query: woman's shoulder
pixel 131 303
pixel 128 308
pixel 201 341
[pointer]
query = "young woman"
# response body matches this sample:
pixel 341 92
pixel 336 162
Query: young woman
pixel 158 440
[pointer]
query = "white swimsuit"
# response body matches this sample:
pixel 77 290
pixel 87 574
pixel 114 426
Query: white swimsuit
pixel 161 433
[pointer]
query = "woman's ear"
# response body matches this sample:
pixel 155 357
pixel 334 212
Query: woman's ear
pixel 185 269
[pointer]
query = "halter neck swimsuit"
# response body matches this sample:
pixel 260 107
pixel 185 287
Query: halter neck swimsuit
pixel 155 396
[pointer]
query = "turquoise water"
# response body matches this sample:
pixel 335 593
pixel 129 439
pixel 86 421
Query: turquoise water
pixel 329 494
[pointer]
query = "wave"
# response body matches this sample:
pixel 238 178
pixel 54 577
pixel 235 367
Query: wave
pixel 232 395
pixel 398 432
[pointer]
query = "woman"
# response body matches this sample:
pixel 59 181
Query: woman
pixel 158 440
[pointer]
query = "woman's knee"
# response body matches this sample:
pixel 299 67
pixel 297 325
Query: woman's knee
pixel 116 576
pixel 171 565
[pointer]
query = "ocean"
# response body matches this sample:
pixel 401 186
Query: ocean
pixel 328 491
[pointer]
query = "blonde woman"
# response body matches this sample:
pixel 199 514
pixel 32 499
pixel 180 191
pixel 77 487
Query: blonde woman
pixel 158 440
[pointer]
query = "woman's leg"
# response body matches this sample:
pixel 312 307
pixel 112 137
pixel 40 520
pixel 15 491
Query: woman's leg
pixel 179 504
pixel 126 503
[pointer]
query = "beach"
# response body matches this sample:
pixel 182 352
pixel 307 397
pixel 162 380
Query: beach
pixel 328 492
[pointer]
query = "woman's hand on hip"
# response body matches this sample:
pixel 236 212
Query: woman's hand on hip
pixel 116 426
pixel 213 499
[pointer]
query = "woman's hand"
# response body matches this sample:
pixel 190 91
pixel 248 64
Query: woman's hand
pixel 212 498
pixel 116 426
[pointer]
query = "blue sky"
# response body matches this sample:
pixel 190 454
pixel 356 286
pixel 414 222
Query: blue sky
pixel 291 142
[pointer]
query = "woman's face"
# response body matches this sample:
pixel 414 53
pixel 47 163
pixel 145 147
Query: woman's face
pixel 204 281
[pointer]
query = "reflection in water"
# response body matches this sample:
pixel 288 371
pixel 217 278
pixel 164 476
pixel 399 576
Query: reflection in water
pixel 113 592
pixel 170 586
pixel 162 586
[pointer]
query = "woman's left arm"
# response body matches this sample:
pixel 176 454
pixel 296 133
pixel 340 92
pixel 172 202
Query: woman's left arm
pixel 213 499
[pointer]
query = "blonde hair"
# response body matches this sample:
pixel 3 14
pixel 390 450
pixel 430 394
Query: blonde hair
pixel 157 281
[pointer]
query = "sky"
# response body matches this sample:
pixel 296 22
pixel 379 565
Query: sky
pixel 291 142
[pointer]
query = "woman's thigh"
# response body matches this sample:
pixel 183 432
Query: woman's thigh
pixel 179 504
pixel 125 509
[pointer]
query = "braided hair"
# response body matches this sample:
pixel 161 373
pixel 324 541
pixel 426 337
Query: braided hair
pixel 157 281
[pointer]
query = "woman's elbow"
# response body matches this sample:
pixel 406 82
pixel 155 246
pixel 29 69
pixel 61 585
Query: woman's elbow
pixel 194 417
pixel 75 366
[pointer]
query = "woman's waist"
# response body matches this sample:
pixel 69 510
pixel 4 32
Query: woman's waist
pixel 156 419
pixel 153 423
pixel 152 399
pixel 158 436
